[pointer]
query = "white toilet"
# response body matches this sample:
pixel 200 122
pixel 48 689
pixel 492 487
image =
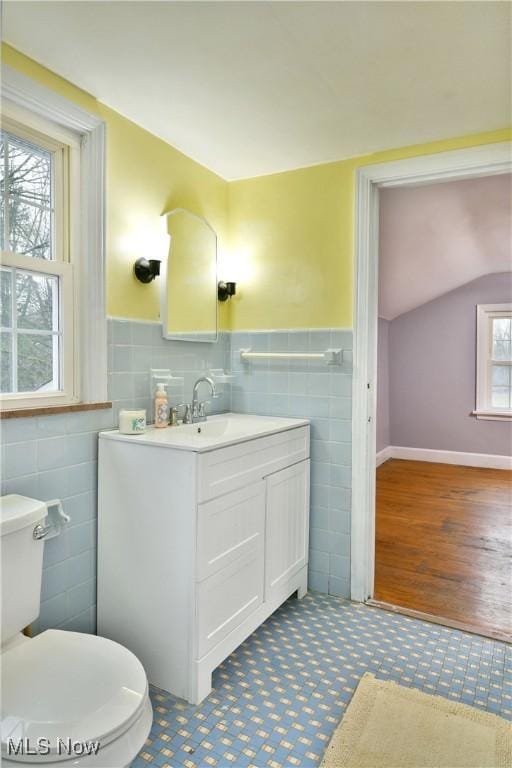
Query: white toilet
pixel 62 692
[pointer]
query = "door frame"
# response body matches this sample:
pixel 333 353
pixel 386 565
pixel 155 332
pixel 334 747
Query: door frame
pixel 486 160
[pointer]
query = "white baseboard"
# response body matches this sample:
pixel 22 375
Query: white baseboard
pixel 488 460
pixel 383 456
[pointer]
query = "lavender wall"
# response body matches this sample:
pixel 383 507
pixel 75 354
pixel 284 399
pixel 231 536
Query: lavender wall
pixel 383 427
pixel 432 373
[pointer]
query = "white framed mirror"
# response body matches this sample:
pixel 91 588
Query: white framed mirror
pixel 189 279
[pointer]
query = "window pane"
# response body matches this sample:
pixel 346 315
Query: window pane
pixel 501 338
pixel 36 362
pixel 501 397
pixel 5 362
pixel 29 229
pixel 37 301
pixel 6 298
pixel 501 386
pixel 28 189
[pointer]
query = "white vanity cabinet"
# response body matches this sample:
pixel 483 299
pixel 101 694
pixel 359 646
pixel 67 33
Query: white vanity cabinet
pixel 198 545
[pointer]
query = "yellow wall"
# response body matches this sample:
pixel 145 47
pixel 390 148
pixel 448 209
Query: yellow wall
pixel 287 239
pixel 292 240
pixel 145 178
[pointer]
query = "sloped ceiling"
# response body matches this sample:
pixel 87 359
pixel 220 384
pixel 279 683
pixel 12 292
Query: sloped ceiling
pixel 437 237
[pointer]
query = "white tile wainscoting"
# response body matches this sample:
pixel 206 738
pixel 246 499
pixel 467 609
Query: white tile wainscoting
pixel 56 456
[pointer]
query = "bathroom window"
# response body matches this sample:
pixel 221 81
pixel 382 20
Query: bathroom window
pixel 38 184
pixel 494 361
pixel 53 334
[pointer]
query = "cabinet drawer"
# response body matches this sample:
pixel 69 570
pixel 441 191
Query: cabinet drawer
pixel 229 526
pixel 235 466
pixel 225 599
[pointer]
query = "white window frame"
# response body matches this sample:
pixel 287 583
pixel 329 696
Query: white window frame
pixel 65 148
pixel 485 314
pixel 22 96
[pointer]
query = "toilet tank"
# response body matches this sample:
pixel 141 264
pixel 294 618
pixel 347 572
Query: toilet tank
pixel 21 558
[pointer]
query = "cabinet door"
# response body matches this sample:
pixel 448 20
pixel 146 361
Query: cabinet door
pixel 231 564
pixel 287 525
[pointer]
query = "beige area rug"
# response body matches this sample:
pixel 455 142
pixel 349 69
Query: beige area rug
pixel 389 726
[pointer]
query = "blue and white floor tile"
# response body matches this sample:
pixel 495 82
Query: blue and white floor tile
pixel 278 698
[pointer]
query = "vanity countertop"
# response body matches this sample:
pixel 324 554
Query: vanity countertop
pixel 218 431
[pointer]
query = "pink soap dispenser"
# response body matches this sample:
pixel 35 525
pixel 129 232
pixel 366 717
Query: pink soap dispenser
pixel 161 407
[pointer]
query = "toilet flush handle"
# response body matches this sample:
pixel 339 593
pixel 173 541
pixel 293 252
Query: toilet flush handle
pixel 56 520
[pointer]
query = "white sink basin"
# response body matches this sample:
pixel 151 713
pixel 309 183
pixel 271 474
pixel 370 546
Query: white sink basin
pixel 231 425
pixel 225 429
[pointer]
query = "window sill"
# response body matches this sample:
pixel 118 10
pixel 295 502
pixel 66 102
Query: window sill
pixel 493 415
pixel 48 410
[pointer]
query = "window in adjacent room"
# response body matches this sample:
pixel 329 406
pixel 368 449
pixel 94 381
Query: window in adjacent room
pixel 494 361
pixel 37 177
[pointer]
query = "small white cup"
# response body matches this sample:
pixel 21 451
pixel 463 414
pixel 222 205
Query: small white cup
pixel 132 422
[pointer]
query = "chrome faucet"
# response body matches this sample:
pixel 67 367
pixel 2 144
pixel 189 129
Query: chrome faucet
pixel 198 409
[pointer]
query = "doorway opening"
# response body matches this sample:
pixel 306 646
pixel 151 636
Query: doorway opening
pixel 431 508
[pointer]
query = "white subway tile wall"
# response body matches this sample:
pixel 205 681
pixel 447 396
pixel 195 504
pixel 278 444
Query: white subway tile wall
pixel 56 456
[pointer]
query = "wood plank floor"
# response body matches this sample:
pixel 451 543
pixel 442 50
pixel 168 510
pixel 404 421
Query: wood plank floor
pixel 443 542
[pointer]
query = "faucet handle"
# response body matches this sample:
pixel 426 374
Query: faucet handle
pixel 187 413
pixel 201 411
pixel 187 418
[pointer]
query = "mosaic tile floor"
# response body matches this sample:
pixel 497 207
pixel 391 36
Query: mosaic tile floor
pixel 279 696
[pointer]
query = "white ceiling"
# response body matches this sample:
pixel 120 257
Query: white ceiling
pixel 437 237
pixel 250 88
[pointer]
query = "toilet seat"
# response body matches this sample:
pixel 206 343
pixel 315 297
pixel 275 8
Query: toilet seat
pixel 65 685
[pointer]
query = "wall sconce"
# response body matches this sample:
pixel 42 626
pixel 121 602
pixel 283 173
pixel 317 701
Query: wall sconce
pixel 225 290
pixel 146 270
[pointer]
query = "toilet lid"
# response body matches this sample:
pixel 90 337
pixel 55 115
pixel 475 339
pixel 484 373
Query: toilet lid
pixel 67 685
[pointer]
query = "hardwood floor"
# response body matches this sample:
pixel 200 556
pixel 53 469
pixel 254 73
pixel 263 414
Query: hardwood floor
pixel 443 542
